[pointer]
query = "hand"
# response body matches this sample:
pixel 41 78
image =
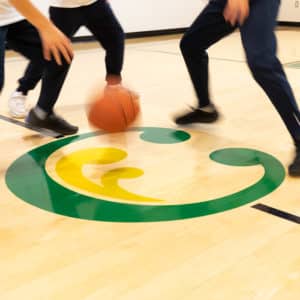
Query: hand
pixel 55 44
pixel 236 11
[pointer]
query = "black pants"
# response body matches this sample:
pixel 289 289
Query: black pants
pixel 259 42
pixel 102 23
pixel 23 38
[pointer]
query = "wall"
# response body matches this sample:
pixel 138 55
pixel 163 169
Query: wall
pixel 290 11
pixel 146 15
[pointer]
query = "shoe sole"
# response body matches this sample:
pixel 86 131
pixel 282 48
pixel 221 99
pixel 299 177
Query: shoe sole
pixel 214 119
pixel 294 174
pixel 41 131
pixel 198 122
pixel 47 131
pixel 17 116
pixel 44 131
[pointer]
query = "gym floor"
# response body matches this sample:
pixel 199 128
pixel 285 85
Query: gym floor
pixel 198 212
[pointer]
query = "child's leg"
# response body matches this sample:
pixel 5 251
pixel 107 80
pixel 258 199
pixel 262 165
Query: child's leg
pixel 260 45
pixel 3 33
pixel 42 116
pixel 32 75
pixel 101 21
pixel 206 30
pixel 68 21
pixel 17 100
pixel 24 38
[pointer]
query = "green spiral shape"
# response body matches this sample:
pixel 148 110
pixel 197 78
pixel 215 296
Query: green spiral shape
pixel 28 180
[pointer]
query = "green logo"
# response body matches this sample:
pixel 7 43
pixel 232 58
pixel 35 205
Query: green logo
pixel 29 180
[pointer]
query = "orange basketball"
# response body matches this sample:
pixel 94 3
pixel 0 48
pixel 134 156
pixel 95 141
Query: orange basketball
pixel 114 110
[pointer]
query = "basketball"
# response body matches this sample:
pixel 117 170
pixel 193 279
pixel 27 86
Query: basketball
pixel 114 110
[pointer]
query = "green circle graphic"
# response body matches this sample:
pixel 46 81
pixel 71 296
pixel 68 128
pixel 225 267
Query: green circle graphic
pixel 28 180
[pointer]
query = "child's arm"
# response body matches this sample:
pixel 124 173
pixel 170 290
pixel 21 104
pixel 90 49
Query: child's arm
pixel 54 42
pixel 236 11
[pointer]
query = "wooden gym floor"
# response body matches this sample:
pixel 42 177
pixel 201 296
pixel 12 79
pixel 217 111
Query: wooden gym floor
pixel 164 228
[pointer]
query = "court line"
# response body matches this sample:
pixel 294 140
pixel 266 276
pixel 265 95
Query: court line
pixel 278 213
pixel 178 54
pixel 44 132
pixel 18 58
pixel 286 65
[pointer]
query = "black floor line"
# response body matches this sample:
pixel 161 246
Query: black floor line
pixel 261 207
pixel 24 125
pixel 278 213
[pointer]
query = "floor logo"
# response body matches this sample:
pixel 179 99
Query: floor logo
pixel 28 179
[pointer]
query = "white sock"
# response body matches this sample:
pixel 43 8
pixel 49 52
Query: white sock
pixel 208 108
pixel 40 113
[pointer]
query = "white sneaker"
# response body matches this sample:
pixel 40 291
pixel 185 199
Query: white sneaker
pixel 17 105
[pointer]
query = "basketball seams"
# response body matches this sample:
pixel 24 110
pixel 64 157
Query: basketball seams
pixel 122 110
pixel 132 103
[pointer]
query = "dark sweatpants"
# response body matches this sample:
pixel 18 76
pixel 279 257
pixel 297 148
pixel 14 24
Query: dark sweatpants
pixel 101 21
pixel 23 38
pixel 259 42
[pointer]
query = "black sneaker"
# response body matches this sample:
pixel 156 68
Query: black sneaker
pixel 197 116
pixel 52 122
pixel 294 168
